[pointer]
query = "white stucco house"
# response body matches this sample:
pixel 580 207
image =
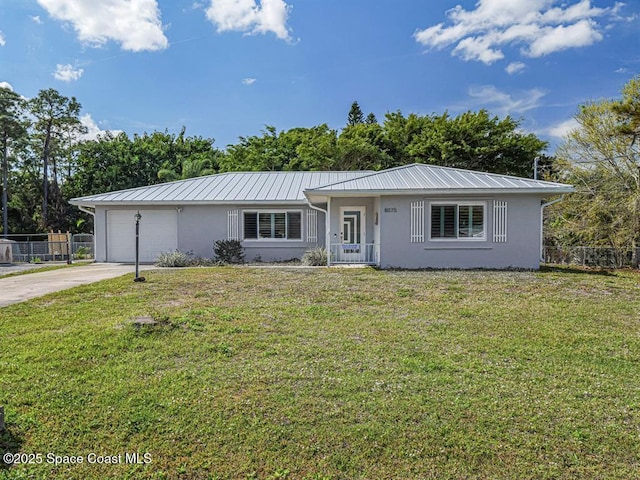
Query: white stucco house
pixel 414 216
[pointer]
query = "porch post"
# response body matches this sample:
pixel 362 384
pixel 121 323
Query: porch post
pixel 327 229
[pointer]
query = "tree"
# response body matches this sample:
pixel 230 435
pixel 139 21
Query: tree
pixel 189 168
pixel 56 126
pixel 472 140
pixel 371 119
pixel 255 153
pixel 189 157
pixel 12 128
pixel 363 147
pixel 312 148
pixel 628 110
pixel 355 116
pixel 602 158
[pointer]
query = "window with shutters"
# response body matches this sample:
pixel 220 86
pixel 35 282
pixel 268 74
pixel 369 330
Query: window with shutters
pixel 458 221
pixel 272 225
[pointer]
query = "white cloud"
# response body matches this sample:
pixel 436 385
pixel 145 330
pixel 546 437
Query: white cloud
pixel 492 98
pixel 562 129
pixel 515 67
pixel 67 73
pixel 551 40
pixel 251 16
pixel 6 85
pixel 37 19
pixel 135 24
pixel 248 81
pixel 93 130
pixel 3 41
pixel 538 27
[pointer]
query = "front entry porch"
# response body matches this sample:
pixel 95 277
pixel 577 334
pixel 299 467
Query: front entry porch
pixel 354 240
pixel 354 253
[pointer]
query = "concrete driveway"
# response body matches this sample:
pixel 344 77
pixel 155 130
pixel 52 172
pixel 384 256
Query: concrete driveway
pixel 25 287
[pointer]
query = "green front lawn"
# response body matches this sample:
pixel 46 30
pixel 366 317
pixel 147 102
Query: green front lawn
pixel 327 374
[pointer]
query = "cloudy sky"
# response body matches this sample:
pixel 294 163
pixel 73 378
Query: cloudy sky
pixel 227 68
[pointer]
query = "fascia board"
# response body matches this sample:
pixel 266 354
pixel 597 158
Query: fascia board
pixel 184 203
pixel 444 191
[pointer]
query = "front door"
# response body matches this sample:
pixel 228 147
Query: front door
pixel 352 246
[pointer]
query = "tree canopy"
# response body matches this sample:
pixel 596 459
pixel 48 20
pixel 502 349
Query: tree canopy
pixel 48 161
pixel 601 157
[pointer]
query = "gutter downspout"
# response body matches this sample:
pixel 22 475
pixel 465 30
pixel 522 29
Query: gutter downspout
pixel 542 207
pixel 326 228
pixel 93 214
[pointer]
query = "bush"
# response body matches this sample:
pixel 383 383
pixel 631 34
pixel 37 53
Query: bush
pixel 228 251
pixel 201 262
pixel 173 259
pixel 316 257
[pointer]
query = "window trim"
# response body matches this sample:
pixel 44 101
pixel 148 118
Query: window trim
pixel 270 211
pixel 458 204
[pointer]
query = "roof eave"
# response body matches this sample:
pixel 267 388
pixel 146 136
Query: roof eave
pixel 103 203
pixel 440 191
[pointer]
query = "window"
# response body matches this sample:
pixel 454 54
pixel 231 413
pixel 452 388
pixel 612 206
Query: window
pixel 458 221
pixel 273 225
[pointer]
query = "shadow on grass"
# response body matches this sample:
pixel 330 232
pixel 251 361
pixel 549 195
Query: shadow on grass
pixel 578 270
pixel 9 443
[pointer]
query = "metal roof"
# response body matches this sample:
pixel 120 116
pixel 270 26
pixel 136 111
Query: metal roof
pixel 292 187
pixel 420 178
pixel 232 187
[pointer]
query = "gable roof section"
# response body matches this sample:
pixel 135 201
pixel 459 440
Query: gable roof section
pixel 224 188
pixel 429 179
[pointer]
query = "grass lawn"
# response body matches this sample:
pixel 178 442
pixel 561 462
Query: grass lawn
pixel 327 374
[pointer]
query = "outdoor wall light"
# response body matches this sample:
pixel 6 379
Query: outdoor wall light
pixel 138 278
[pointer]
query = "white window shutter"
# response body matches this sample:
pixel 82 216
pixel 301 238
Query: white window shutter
pixel 499 221
pixel 232 225
pixel 417 221
pixel 312 226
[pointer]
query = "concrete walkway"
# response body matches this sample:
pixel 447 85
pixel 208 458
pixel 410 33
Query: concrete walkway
pixel 25 287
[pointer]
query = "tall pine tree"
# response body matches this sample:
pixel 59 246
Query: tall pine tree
pixel 355 116
pixel 11 129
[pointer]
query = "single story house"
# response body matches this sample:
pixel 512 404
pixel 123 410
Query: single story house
pixel 413 216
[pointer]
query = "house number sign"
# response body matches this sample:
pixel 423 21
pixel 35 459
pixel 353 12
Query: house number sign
pixel 391 210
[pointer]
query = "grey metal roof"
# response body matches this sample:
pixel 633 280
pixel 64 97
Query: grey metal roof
pixel 291 187
pixel 422 178
pixel 232 187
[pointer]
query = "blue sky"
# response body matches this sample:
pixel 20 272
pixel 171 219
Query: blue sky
pixel 227 68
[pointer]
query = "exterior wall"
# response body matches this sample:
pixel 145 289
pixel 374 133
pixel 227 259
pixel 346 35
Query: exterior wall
pixel 199 226
pixel 100 234
pixel 521 250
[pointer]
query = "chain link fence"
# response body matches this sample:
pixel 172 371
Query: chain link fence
pixel 593 256
pixel 38 248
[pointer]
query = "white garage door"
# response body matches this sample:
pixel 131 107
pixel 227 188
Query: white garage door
pixel 158 233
